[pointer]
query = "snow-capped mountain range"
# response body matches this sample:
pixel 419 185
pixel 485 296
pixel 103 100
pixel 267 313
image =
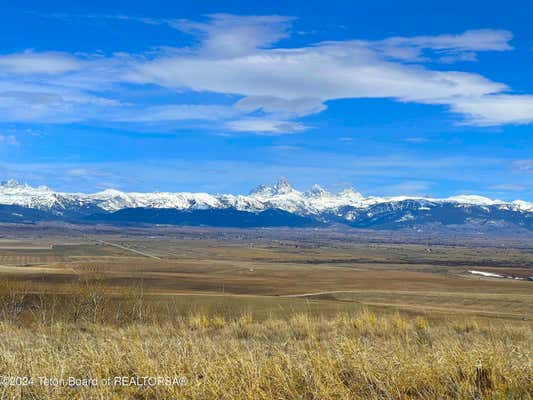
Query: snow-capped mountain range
pixel 347 206
pixel 282 196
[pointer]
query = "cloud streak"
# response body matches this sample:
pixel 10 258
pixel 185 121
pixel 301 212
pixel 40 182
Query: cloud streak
pixel 524 165
pixel 265 126
pixel 9 140
pixel 445 48
pixel 30 63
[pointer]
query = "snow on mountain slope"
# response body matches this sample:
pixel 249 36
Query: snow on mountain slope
pixel 113 200
pixel 521 205
pixel 474 200
pixel 282 196
pixel 42 197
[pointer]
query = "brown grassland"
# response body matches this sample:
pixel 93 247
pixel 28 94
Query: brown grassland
pixel 249 317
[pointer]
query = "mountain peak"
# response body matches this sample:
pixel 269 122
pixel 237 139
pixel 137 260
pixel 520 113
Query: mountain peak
pixel 11 183
pixel 262 190
pixel 317 191
pixel 283 186
pixel 14 185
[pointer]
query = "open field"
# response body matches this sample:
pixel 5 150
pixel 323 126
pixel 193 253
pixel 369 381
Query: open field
pixel 245 314
pixel 251 347
pixel 404 275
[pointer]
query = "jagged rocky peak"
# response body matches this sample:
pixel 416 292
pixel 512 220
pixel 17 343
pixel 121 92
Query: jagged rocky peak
pixel 15 185
pixel 317 191
pixel 11 183
pixel 262 190
pixel 283 186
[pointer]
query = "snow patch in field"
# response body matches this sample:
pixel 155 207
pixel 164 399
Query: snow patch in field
pixel 486 274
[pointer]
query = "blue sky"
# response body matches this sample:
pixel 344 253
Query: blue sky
pixel 411 98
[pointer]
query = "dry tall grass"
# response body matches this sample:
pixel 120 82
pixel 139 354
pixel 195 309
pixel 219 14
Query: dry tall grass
pixel 91 333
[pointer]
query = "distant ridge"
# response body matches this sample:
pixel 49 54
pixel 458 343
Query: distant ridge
pixel 265 206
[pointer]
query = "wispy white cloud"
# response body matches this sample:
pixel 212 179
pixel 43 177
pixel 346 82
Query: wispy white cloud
pixel 265 126
pixel 233 35
pixel 274 86
pixel 220 33
pixel 416 139
pixel 495 109
pixel 508 187
pixel 408 188
pixel 30 62
pixel 524 165
pixel 274 105
pixel 9 140
pixel 299 81
pixel 326 72
pixel 445 48
pixel 173 112
pixel 285 148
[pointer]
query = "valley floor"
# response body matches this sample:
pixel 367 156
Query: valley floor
pixel 263 315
